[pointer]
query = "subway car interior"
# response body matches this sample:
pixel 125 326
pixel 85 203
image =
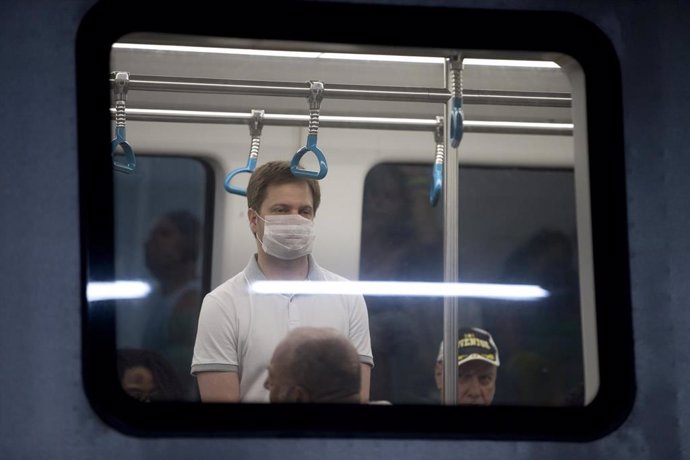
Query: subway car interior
pixel 377 222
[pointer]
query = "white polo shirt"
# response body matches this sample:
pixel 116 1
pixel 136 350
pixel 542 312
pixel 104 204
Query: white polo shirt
pixel 239 329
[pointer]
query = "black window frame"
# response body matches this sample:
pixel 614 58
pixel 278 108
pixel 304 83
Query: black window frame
pixel 368 25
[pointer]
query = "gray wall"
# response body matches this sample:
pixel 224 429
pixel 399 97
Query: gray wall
pixel 43 410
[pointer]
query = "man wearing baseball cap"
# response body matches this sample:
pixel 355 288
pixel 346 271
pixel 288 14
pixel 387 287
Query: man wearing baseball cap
pixel 477 365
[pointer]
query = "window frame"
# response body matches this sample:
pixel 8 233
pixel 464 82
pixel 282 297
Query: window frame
pixel 435 27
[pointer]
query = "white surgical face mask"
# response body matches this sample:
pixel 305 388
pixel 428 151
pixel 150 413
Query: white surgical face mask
pixel 288 236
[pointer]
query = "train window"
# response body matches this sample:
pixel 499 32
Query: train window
pixel 471 192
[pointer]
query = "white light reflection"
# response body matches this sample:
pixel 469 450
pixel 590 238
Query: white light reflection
pixel 336 56
pixel 96 291
pixel 403 289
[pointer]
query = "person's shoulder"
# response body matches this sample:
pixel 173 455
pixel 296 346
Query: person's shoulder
pixel 232 286
pixel 354 301
pixel 330 276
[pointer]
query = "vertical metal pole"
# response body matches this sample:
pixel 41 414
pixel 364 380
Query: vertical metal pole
pixel 450 261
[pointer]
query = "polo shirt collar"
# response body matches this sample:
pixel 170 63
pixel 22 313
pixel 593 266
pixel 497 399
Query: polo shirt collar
pixel 254 273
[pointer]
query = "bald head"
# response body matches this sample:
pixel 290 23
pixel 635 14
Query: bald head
pixel 314 365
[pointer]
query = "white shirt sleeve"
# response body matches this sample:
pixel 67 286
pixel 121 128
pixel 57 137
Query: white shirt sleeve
pixel 216 348
pixel 359 330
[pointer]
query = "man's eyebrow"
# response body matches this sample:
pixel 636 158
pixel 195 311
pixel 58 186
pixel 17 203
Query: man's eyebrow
pixel 287 205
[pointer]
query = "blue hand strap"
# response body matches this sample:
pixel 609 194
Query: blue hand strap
pixel 249 168
pixel 310 147
pixel 121 80
pixel 120 140
pixel 437 171
pixel 457 120
pixel 436 183
pixel 255 127
pixel 316 89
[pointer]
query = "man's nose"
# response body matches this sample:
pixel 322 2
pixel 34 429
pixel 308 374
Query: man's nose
pixel 473 386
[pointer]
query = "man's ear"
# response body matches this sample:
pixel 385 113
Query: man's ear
pixel 438 374
pixel 301 394
pixel 253 220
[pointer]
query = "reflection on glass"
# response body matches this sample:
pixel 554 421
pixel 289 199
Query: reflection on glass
pixel 402 289
pixel 96 291
pixel 517 227
pixel 147 376
pixel 159 215
pixel 402 240
pixel 544 365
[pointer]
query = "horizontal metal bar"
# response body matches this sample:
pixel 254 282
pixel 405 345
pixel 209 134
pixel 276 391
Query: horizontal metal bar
pixel 287 89
pixel 336 91
pixel 398 124
pixel 519 100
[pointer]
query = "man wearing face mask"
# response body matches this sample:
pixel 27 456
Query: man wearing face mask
pixel 238 328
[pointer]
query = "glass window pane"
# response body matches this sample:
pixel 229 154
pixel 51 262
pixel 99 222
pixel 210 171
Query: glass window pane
pixel 516 226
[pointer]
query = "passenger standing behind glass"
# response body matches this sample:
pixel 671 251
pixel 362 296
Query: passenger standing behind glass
pixel 542 338
pixel 401 241
pixel 238 328
pixel 171 253
pixel 317 365
pixel 477 368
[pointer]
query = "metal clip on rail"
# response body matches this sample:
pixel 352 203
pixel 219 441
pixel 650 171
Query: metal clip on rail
pixel 255 125
pixel 457 118
pixel 121 82
pixel 437 172
pixel 315 97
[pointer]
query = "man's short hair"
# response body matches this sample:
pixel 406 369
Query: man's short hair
pixel 325 364
pixel 276 173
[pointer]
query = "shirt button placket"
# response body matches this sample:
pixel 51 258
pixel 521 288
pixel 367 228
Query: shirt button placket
pixel 293 313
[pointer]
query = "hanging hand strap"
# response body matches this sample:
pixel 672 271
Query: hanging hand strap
pixel 437 172
pixel 315 97
pixel 457 117
pixel 255 125
pixel 121 82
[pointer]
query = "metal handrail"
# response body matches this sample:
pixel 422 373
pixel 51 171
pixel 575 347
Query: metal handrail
pixel 396 124
pixel 335 91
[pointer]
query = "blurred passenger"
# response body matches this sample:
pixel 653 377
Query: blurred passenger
pixel 477 367
pixel 314 365
pixel 541 339
pixel 171 251
pixel 239 328
pixel 146 376
pixel 402 240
